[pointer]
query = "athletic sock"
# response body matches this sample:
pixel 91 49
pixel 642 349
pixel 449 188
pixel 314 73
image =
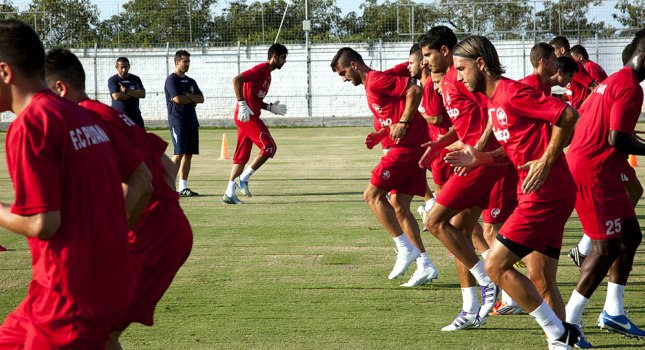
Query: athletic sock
pixel 246 174
pixel 507 299
pixel 429 203
pixel 479 273
pixel 485 253
pixel 584 246
pixel 548 320
pixel 402 242
pixel 470 299
pixel 230 189
pixel 183 184
pixel 614 302
pixel 575 307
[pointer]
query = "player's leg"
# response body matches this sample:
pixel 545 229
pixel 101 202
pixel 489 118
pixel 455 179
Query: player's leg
pixel 426 271
pixel 187 144
pixel 241 156
pixel 13 332
pixel 613 316
pixel 541 272
pixel 258 132
pixel 384 212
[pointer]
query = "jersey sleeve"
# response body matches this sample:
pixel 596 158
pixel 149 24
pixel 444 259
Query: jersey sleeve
pixel 626 109
pixel 34 167
pixel 582 77
pixel 173 87
pixel 527 102
pixel 390 85
pixel 432 103
pixel 128 158
pixel 113 84
pixel 197 90
pixel 138 85
pixel 400 70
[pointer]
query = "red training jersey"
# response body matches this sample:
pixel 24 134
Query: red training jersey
pixel 595 71
pixel 386 95
pixel 521 118
pixel 614 105
pixel 533 81
pixel 432 105
pixel 464 109
pixel 400 70
pixel 578 89
pixel 257 81
pixel 61 158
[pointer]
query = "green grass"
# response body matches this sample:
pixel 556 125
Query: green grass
pixel 304 264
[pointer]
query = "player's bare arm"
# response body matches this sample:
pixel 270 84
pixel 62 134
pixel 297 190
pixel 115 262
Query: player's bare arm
pixel 626 143
pixel 485 138
pixel 137 189
pixel 373 138
pixel 195 98
pixel 434 147
pixel 41 225
pixel 470 157
pixel 170 170
pixel 433 119
pixel 412 100
pixel 539 169
pixel 182 100
pixel 238 83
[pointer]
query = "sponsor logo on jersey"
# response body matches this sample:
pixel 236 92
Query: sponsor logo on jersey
pixel 495 213
pixel 502 119
pixel 126 120
pixel 421 109
pixel 192 89
pixel 601 89
pixel 502 135
pixel 385 175
pixel 262 94
pixel 377 108
pixel 385 122
pixel 453 113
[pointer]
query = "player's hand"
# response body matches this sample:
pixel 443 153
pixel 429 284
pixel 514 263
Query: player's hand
pixel 122 88
pixel 373 138
pixel 464 160
pixel 277 108
pixel 244 113
pixel 398 131
pixel 538 172
pixel 431 153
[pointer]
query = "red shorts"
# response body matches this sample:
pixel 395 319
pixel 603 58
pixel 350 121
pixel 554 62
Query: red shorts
pixel 253 132
pixel 463 192
pixel 538 225
pixel 627 174
pixel 503 198
pixel 441 171
pixel 49 320
pixel 602 210
pixel 399 171
pixel 161 243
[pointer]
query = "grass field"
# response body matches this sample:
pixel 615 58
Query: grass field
pixel 304 264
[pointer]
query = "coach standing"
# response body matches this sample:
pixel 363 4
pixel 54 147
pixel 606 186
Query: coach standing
pixel 126 89
pixel 182 95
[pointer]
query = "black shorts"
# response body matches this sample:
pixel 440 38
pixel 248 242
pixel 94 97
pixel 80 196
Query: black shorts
pixel 185 139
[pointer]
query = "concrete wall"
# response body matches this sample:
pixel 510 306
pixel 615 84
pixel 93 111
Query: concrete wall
pixel 214 69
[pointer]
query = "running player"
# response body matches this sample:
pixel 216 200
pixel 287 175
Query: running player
pixel 533 130
pixel 69 202
pixel 579 53
pixel 161 239
pixel 598 152
pixel 582 84
pixel 394 101
pixel 250 89
pixel 545 65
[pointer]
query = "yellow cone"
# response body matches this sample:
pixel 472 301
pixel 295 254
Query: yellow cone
pixel 223 155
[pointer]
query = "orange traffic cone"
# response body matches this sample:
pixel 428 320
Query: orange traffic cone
pixel 632 160
pixel 223 155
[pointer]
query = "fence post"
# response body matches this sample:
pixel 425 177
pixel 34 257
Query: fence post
pixel 167 55
pixel 524 54
pixel 597 47
pixel 307 27
pixel 238 57
pixel 380 54
pixel 96 72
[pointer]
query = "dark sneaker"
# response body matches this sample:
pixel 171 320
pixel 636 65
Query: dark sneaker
pixel 187 192
pixel 577 257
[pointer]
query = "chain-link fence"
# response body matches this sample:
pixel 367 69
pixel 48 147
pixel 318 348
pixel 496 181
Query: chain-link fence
pixel 147 23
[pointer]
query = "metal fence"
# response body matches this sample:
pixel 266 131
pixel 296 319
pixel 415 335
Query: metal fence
pixel 145 23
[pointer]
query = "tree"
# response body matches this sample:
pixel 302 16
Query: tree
pixel 63 22
pixel 398 20
pixel 8 10
pixel 631 14
pixel 570 18
pixel 501 19
pixel 150 22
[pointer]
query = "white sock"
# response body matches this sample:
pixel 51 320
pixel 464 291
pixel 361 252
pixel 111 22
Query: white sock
pixel 548 320
pixel 246 174
pixel 429 203
pixel 424 260
pixel 614 302
pixel 584 246
pixel 479 273
pixel 402 242
pixel 485 253
pixel 182 184
pixel 230 189
pixel 508 300
pixel 575 307
pixel 470 299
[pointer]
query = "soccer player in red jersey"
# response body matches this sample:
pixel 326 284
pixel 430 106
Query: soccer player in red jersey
pixel 604 138
pixel 462 198
pixel 545 65
pixel 251 87
pixel 61 159
pixel 579 53
pixel 161 240
pixel 533 130
pixel 582 84
pixel 393 101
pixel 566 69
